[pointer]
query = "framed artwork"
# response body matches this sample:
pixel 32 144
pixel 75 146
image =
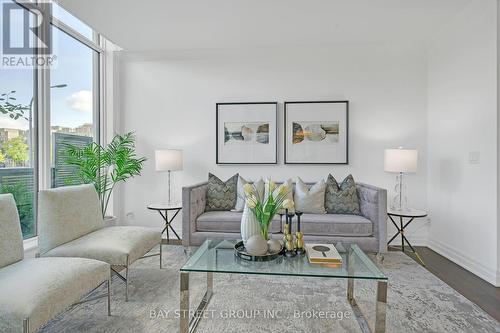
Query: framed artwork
pixel 316 132
pixel 247 133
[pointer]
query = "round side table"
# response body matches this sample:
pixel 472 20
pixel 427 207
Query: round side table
pixel 163 210
pixel 409 214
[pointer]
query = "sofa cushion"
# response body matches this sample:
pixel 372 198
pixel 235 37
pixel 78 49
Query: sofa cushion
pixel 67 213
pixel 11 239
pixel 221 195
pixel 343 198
pixel 228 222
pixel 40 289
pixel 111 244
pixel 334 225
pixel 240 199
pixel 278 189
pixel 310 199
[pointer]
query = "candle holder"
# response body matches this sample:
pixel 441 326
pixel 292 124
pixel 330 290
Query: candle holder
pixel 290 218
pixel 286 231
pixel 289 242
pixel 299 242
pixel 287 226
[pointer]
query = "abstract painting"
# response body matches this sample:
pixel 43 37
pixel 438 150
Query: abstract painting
pixel 305 132
pixel 246 133
pixel 316 132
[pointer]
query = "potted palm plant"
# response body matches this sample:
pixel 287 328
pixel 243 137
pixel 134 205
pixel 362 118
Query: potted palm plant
pixel 105 166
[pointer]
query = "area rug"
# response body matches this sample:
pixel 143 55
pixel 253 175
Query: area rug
pixel 417 302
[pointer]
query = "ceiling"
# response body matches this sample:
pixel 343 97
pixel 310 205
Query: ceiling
pixel 157 25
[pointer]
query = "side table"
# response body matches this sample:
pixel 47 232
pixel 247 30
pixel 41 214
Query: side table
pixel 163 210
pixel 410 214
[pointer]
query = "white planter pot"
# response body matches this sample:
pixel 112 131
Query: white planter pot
pixel 249 225
pixel 110 221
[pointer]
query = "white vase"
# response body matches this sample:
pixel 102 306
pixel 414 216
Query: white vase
pixel 249 225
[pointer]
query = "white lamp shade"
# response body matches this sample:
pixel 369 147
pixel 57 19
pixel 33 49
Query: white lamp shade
pixel 168 160
pixel 400 160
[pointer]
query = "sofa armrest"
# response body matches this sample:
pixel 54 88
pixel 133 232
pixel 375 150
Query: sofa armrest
pixel 193 205
pixel 373 206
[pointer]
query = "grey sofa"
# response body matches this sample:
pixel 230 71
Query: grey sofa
pixel 71 225
pixel 368 230
pixel 35 290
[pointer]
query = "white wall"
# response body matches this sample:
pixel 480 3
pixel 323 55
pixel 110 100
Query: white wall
pixel 462 116
pixel 498 147
pixel 169 101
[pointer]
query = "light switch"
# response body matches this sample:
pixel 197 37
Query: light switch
pixel 474 157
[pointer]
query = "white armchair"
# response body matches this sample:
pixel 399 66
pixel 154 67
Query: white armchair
pixel 71 225
pixel 33 291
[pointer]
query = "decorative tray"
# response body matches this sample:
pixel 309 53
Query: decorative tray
pixel 240 252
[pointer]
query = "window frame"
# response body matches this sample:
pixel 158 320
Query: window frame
pixel 41 134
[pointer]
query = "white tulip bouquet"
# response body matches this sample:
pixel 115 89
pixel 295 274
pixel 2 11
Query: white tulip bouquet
pixel 264 208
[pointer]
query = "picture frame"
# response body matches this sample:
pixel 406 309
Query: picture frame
pixel 247 133
pixel 316 132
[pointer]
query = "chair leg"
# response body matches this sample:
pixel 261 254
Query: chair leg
pixel 126 284
pixel 26 325
pixel 109 297
pixel 161 252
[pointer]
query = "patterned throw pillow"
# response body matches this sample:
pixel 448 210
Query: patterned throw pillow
pixel 341 199
pixel 221 195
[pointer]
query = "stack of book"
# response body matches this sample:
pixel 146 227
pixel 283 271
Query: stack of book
pixel 323 254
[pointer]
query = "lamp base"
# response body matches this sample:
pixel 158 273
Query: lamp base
pixel 400 201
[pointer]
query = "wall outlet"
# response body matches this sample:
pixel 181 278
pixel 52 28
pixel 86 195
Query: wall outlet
pixel 474 157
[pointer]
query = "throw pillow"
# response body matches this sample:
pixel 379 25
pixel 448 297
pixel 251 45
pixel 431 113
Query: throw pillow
pixel 240 200
pixel 221 195
pixel 289 194
pixel 310 199
pixel 341 199
pixel 288 183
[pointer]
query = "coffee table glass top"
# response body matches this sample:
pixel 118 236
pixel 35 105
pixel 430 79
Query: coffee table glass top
pixel 218 256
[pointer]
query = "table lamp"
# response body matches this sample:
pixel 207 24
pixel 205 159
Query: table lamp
pixel 168 160
pixel 400 161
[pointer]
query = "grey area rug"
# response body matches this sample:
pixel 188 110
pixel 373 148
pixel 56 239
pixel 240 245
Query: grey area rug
pixel 417 302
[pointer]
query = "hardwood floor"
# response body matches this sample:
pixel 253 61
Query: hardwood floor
pixel 485 295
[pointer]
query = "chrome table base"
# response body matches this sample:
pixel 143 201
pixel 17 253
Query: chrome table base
pixel 188 324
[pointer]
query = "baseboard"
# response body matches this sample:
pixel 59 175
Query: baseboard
pixel 414 241
pixel 30 243
pixel 465 261
pixel 416 234
pixel 30 247
pixel 417 240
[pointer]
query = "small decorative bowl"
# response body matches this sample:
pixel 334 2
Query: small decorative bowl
pixel 240 252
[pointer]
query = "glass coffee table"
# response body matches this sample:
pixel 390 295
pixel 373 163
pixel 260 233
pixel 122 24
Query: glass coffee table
pixel 217 256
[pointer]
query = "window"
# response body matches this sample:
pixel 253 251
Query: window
pixel 65 17
pixel 17 144
pixel 73 102
pixel 41 111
